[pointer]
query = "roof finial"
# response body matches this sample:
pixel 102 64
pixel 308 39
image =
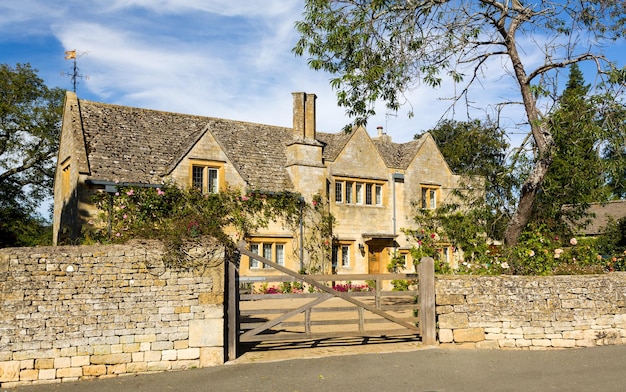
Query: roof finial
pixel 71 55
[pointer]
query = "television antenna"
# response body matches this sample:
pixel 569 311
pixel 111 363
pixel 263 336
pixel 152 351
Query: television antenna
pixel 72 55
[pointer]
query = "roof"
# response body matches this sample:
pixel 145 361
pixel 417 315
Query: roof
pixel 137 145
pixel 134 145
pixel 602 213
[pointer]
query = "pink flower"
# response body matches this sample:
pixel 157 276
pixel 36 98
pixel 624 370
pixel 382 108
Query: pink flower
pixel 118 235
pixel 244 198
pixel 160 192
pixel 314 203
pixel 125 216
pixel 117 193
pixel 573 241
pixel 130 192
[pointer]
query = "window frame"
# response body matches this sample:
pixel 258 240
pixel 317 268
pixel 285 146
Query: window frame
pixel 342 254
pixel 267 245
pixel 207 167
pixel 350 191
pixel 430 196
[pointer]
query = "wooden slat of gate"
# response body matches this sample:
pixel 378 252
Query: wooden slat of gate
pixel 327 289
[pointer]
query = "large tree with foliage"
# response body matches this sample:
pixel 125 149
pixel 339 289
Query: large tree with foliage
pixel 379 50
pixel 30 118
pixel 479 151
pixel 577 174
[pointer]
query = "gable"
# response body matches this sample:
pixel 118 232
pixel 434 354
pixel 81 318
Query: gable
pixel 359 158
pixel 429 161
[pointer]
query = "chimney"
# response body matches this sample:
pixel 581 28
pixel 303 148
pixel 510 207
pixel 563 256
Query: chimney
pixel 304 115
pixel 382 136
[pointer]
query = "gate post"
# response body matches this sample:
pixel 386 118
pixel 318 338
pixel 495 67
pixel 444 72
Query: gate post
pixel 232 294
pixel 427 323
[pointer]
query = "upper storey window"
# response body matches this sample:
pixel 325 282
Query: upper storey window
pixel 357 192
pixel 206 176
pixel 430 197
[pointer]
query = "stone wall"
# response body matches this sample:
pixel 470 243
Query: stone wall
pixel 531 312
pixel 70 313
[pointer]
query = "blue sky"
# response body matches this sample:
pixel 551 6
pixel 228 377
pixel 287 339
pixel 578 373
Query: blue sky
pixel 223 58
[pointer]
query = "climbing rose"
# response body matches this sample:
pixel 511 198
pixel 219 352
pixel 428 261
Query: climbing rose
pixel 573 241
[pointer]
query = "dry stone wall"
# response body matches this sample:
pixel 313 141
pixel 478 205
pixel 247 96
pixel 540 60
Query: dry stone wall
pixel 70 313
pixel 531 312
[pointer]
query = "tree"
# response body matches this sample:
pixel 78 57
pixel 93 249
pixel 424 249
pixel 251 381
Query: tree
pixel 577 174
pixel 380 49
pixel 30 118
pixel 613 115
pixel 478 149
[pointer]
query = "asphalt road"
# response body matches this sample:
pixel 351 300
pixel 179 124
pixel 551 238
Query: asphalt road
pixel 424 370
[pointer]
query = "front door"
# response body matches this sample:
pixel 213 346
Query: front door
pixel 374 258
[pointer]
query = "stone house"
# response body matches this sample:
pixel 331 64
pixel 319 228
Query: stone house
pixel 371 183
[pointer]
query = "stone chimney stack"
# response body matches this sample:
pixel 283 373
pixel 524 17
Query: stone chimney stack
pixel 382 136
pixel 304 115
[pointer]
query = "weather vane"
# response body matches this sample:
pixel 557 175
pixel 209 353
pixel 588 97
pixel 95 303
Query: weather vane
pixel 71 55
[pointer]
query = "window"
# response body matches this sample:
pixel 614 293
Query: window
pixel 368 193
pixel 345 256
pixel 206 176
pixel 341 253
pixel 338 191
pixel 274 251
pixel 351 192
pixel 429 197
pixel 254 263
pixel 267 253
pixel 359 193
pixel 65 180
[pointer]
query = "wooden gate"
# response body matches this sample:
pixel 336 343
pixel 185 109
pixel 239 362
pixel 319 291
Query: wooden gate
pixel 382 312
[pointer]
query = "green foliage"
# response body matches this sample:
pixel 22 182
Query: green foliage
pixel 186 219
pixel 30 117
pixel 378 51
pixel 613 239
pixel 318 241
pixel 478 150
pixel 576 176
pixel 403 284
pixel 18 228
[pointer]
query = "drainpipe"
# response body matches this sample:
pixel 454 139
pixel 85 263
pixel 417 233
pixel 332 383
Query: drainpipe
pixel 395 177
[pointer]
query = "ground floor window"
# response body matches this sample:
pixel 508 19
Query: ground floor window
pixel 342 255
pixel 271 250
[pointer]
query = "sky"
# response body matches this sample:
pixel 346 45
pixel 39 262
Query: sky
pixel 221 58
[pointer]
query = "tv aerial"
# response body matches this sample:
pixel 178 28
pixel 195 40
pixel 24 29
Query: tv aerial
pixel 72 55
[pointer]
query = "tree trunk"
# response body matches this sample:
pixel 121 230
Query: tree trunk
pixel 520 218
pixel 542 137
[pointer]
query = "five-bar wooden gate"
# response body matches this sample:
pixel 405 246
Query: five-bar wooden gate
pixel 394 313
